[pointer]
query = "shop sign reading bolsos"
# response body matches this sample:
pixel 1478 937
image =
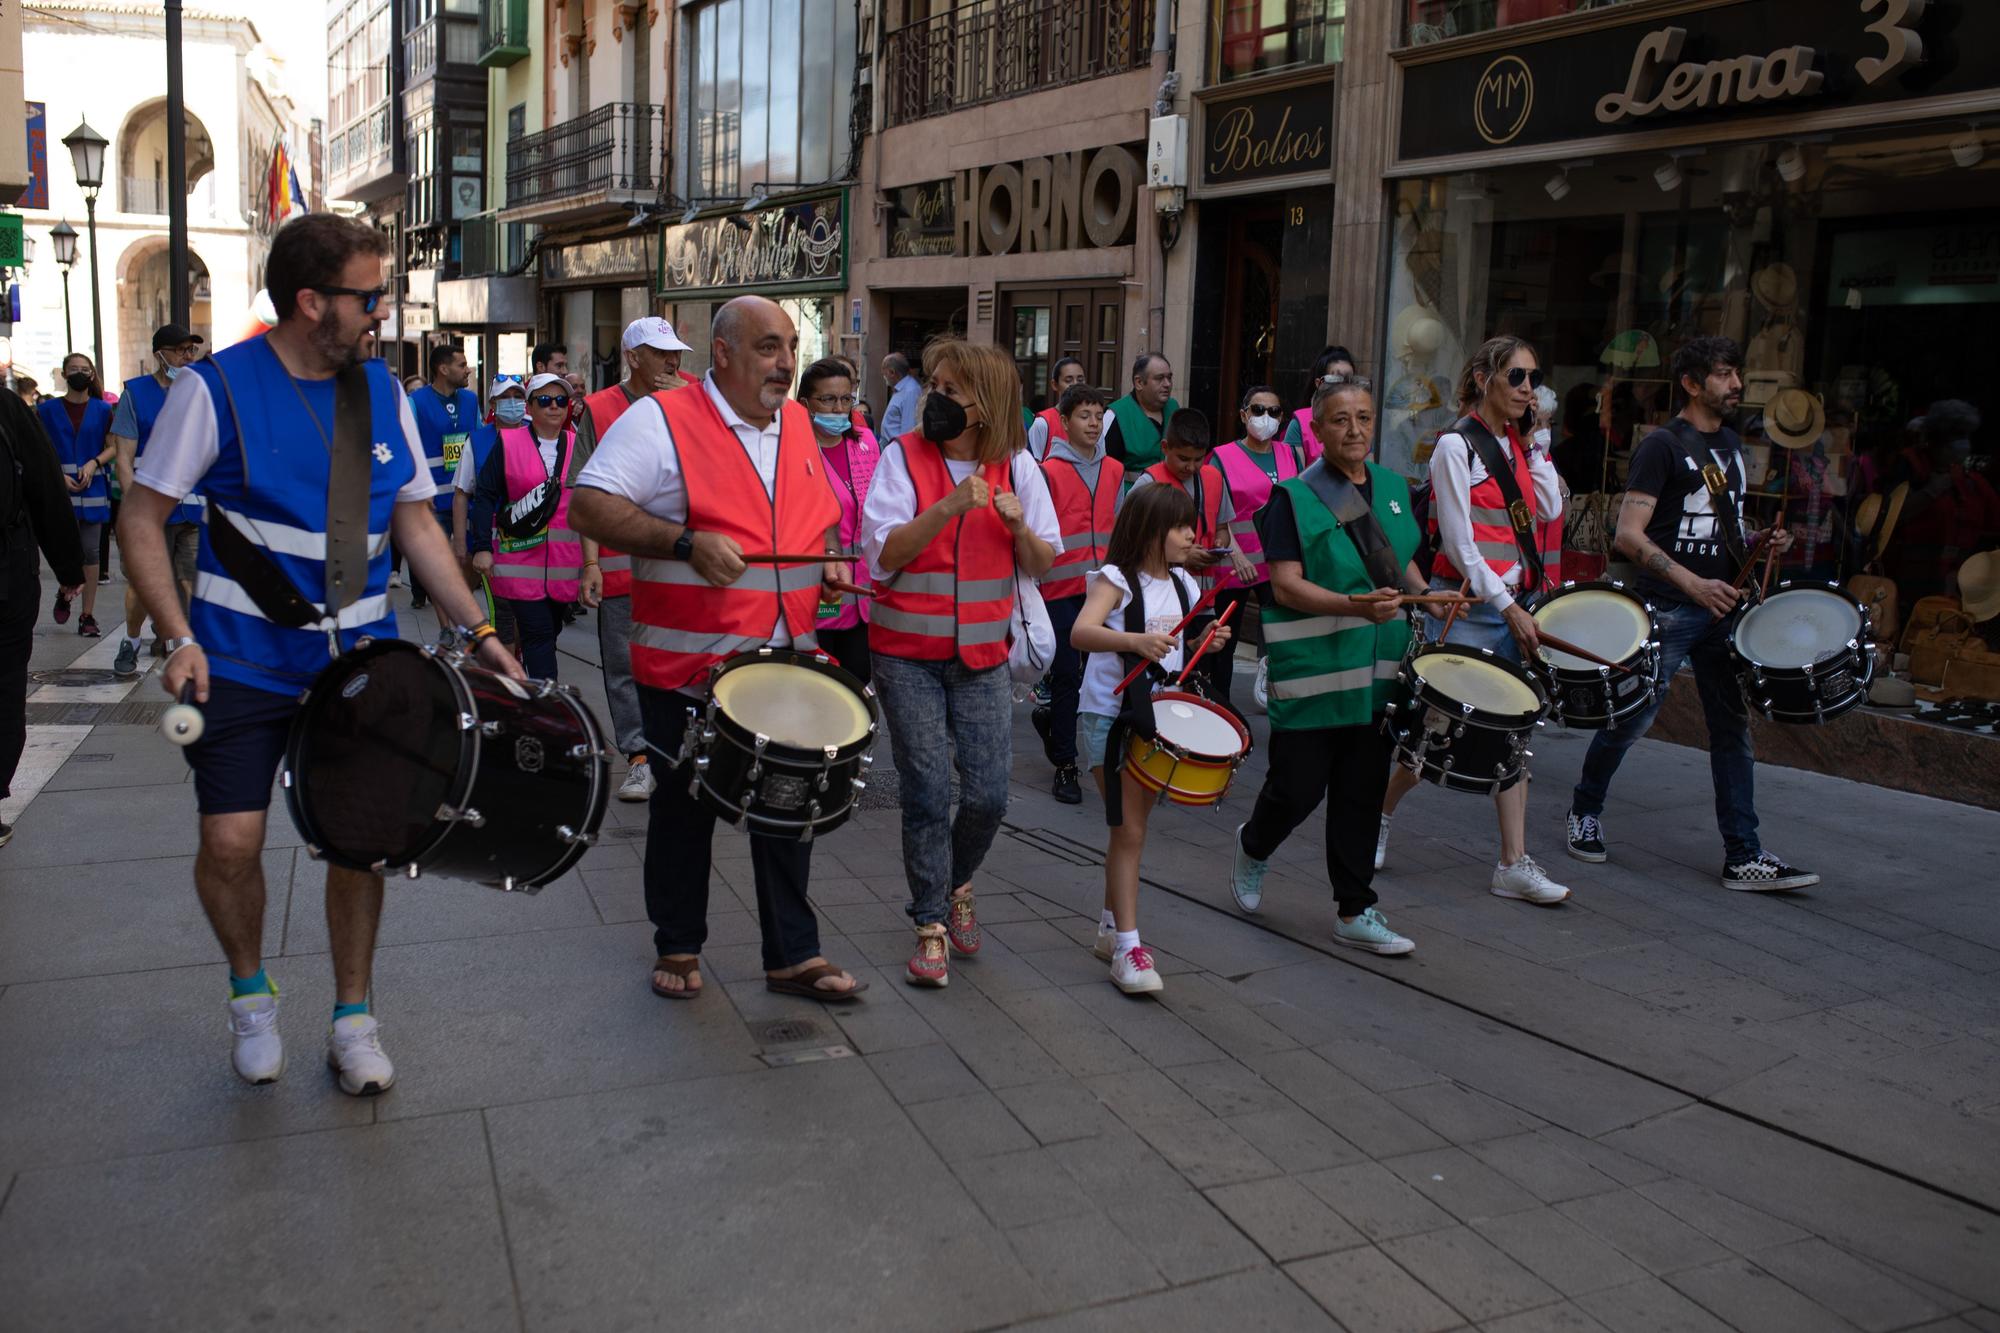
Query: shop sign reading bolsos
pixel 1284 132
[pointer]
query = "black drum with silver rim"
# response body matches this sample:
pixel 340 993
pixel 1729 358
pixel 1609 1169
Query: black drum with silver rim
pixel 782 742
pixel 1609 619
pixel 1805 653
pixel 407 758
pixel 1467 717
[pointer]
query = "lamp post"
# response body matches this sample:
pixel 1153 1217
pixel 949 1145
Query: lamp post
pixel 63 237
pixel 86 154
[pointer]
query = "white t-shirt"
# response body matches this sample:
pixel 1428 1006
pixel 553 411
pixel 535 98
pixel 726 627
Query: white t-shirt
pixel 184 444
pixel 1163 612
pixel 892 500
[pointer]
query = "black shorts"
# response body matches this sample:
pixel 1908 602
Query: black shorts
pixel 242 743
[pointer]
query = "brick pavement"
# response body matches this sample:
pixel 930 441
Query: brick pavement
pixel 1658 1107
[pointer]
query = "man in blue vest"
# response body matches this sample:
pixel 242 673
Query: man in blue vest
pixel 131 426
pixel 255 429
pixel 446 413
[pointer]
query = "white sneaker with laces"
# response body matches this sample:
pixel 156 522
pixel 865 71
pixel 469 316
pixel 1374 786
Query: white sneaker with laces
pixel 1382 843
pixel 1107 942
pixel 1246 876
pixel 1260 689
pixel 1528 882
pixel 1133 973
pixel 354 1051
pixel 259 1056
pixel 639 783
pixel 1371 932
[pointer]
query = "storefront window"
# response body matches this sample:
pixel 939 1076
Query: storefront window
pixel 772 86
pixel 1257 36
pixel 1438 20
pixel 1862 270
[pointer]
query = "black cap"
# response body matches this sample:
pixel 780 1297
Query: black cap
pixel 173 335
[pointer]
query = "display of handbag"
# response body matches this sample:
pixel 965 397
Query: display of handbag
pixel 1947 654
pixel 1878 595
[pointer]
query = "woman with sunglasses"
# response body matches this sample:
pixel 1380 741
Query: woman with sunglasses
pixel 849 451
pixel 1251 466
pixel 1477 548
pixel 520 534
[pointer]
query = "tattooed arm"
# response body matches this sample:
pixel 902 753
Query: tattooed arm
pixel 1633 515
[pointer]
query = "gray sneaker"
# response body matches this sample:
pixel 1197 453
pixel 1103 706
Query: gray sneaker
pixel 1369 931
pixel 126 664
pixel 1246 877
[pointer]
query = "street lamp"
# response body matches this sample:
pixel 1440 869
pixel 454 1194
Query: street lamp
pixel 63 237
pixel 86 154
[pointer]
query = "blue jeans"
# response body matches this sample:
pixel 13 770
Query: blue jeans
pixel 1477 626
pixel 1065 681
pixel 1690 634
pixel 926 702
pixel 540 621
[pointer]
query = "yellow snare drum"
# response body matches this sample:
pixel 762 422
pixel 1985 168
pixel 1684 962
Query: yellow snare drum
pixel 1195 755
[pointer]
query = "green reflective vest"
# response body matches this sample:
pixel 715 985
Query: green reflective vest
pixel 1140 436
pixel 1338 671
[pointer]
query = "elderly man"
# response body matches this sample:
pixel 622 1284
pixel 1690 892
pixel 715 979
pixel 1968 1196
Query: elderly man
pixel 1139 419
pixel 899 418
pixel 687 481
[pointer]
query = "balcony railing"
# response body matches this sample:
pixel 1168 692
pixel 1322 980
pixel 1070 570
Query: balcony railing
pixel 995 49
pixel 613 155
pixel 503 32
pixel 1441 20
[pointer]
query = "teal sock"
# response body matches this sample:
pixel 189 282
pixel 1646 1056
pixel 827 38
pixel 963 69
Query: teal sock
pixel 257 985
pixel 341 1011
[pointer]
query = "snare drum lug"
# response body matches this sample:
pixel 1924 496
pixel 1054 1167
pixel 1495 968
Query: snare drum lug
pixel 868 760
pixel 701 763
pixel 545 688
pixel 379 866
pixel 490 728
pixel 454 815
pixel 285 779
pixel 586 752
pixel 507 884
pixel 466 721
pixel 1466 709
pixel 573 838
pixel 755 771
pixel 1389 709
pixel 822 780
pixel 1458 732
pixel 858 784
pixel 412 870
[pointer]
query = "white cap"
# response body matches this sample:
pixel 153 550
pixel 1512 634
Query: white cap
pixel 502 383
pixel 652 331
pixel 546 378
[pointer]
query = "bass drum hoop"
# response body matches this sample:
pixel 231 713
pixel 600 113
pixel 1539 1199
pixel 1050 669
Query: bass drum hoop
pixel 793 758
pixel 598 802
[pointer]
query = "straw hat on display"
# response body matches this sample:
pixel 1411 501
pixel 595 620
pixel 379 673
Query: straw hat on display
pixel 1979 586
pixel 1416 334
pixel 1794 418
pixel 1870 512
pixel 1777 286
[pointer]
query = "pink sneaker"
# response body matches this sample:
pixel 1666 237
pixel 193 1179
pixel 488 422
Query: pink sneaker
pixel 961 924
pixel 928 966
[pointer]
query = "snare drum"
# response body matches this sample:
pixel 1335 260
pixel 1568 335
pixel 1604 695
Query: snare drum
pixel 1804 653
pixel 781 743
pixel 1195 753
pixel 1467 717
pixel 413 759
pixel 1618 626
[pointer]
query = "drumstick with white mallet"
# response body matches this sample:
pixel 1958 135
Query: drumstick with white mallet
pixel 1207 600
pixel 1206 639
pixel 182 723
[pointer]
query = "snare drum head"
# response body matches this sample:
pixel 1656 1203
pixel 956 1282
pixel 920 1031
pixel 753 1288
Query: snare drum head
pixel 1197 727
pixel 1796 627
pixel 1614 625
pixel 1469 680
pixel 793 705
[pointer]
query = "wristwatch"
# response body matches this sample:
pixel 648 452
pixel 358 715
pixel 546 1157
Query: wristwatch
pixel 172 646
pixel 684 548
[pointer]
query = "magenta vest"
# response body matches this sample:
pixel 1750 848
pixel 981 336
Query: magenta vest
pixel 551 567
pixel 1313 448
pixel 863 453
pixel 1250 490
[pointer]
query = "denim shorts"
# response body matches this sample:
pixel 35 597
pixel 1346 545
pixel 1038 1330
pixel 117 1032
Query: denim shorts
pixel 1096 732
pixel 1477 626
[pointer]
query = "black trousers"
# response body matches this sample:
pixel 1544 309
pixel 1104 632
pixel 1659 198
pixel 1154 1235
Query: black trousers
pixel 1219 665
pixel 1349 766
pixel 20 604
pixel 850 648
pixel 679 831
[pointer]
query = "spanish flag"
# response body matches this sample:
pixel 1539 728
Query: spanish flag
pixel 283 196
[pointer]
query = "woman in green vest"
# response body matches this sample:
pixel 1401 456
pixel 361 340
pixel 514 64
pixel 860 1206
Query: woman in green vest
pixel 1333 659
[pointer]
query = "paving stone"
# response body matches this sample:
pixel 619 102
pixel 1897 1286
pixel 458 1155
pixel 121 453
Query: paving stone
pixel 1648 1307
pixel 1057 1111
pixel 1015 1189
pixel 873 1026
pixel 1207 1152
pixel 1212 1008
pixel 1561 1317
pixel 1646 1233
pixel 1145 1098
pixel 1621 1167
pixel 923 1074
pixel 1461 1184
pixel 1079 1261
pixel 1461 1115
pixel 1030 936
pixel 1118 1162
pixel 1375 1200
pixel 1158 1035
pixel 1378 1127
pixel 1226 1088
pixel 1262 1301
pixel 1374 1067
pixel 1476 1278
pixel 1286 1220
pixel 1745 1296
pixel 1364 1289
pixel 1734 1226
pixel 1560 1252
pixel 1080 1043
pixel 1182 1234
pixel 1299 1141
pixel 1864 1295
pixel 422 910
pixel 1543 1167
pixel 974 1125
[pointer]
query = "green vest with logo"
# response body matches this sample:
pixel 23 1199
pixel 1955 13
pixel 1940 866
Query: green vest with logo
pixel 1338 671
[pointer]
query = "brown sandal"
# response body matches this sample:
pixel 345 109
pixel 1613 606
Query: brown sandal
pixel 682 968
pixel 802 984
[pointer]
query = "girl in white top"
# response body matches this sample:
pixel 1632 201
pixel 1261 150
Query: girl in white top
pixel 1154 534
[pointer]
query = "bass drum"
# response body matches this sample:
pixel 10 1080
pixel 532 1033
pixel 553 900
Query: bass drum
pixel 1604 617
pixel 1804 653
pixel 1467 717
pixel 414 759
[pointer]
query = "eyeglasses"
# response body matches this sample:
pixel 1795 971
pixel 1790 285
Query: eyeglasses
pixel 1259 410
pixel 551 400
pixel 1517 374
pixel 833 404
pixel 1346 382
pixel 370 297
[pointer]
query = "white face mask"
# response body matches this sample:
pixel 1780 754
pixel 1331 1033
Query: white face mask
pixel 174 373
pixel 1263 427
pixel 1542 437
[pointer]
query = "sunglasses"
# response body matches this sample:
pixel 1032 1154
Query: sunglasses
pixel 551 400
pixel 370 297
pixel 1516 375
pixel 1259 410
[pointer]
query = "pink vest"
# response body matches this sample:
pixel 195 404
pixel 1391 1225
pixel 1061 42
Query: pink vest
pixel 1250 490
pixel 551 568
pixel 1313 448
pixel 857 469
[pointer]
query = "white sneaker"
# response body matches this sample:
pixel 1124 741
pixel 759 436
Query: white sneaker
pixel 1132 972
pixel 395 579
pixel 1529 882
pixel 1260 689
pixel 639 783
pixel 1246 876
pixel 1371 932
pixel 259 1056
pixel 1107 941
pixel 354 1050
pixel 1382 843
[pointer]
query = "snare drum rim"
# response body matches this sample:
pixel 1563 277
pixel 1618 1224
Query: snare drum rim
pixel 1862 645
pixel 1185 696
pixel 736 733
pixel 1427 693
pixel 1586 674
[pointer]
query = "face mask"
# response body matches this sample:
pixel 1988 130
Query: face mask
pixel 1263 427
pixel 78 380
pixel 174 373
pixel 943 419
pixel 1542 437
pixel 510 411
pixel 832 423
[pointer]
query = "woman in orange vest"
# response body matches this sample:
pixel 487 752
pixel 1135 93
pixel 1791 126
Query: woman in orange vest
pixel 1477 549
pixel 958 510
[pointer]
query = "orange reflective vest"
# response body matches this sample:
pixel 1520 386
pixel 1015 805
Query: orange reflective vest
pixel 956 598
pixel 1085 517
pixel 1209 488
pixel 1492 530
pixel 1057 431
pixel 681 623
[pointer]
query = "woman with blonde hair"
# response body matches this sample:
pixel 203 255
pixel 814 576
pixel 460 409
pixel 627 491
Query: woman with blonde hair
pixel 957 509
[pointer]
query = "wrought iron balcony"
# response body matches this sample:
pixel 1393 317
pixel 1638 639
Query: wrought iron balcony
pixel 991 50
pixel 503 29
pixel 607 159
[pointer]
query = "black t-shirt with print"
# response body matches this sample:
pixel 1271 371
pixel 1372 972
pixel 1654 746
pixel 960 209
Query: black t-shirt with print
pixel 1684 523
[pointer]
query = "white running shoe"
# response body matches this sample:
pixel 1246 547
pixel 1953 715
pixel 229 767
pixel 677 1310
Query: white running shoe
pixel 1371 932
pixel 1528 882
pixel 1382 843
pixel 639 783
pixel 354 1051
pixel 259 1056
pixel 1260 689
pixel 1107 941
pixel 1132 972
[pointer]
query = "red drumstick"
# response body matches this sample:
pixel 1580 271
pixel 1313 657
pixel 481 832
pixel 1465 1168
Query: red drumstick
pixel 841 585
pixel 1207 600
pixel 1452 614
pixel 767 558
pixel 1206 639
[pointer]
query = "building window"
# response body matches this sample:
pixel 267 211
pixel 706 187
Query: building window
pixel 1257 36
pixel 1439 20
pixel 772 86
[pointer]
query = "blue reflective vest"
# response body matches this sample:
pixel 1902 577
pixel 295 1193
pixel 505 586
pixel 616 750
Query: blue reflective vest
pixel 444 425
pixel 75 447
pixel 147 397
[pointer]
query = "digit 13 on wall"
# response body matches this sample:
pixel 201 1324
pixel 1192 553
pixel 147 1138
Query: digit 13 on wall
pixel 1897 29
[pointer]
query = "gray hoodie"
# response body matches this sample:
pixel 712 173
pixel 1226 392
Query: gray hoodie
pixel 1087 468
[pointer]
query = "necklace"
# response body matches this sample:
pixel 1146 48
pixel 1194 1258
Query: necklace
pixel 325 441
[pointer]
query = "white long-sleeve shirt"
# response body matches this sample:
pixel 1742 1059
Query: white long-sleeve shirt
pixel 1455 470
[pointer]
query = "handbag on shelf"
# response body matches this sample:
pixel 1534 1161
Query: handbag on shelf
pixel 1878 595
pixel 1934 634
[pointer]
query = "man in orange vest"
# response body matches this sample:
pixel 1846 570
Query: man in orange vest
pixel 652 364
pixel 687 481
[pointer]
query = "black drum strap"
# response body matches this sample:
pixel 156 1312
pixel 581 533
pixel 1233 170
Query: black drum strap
pixel 1519 517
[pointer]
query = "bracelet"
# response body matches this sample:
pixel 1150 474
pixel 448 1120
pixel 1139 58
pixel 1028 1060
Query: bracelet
pixel 590 564
pixel 483 631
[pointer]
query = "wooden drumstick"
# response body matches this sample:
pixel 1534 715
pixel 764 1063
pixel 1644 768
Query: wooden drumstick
pixel 1452 614
pixel 843 586
pixel 1206 639
pixel 1565 646
pixel 1207 600
pixel 770 558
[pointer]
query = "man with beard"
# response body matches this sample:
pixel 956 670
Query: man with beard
pixel 1682 522
pixel 257 430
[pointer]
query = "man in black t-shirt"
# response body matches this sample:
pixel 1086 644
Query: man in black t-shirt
pixel 1691 552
